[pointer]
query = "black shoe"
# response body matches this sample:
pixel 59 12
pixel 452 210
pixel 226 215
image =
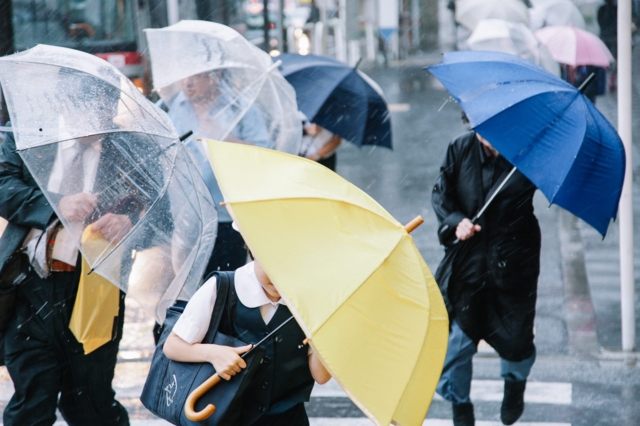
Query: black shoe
pixel 463 415
pixel 513 402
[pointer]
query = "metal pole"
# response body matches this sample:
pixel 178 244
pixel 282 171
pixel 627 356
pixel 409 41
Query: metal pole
pixel 173 12
pixel 627 307
pixel 267 24
pixel 282 31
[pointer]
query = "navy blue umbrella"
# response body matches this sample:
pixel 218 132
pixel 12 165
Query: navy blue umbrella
pixel 339 98
pixel 544 126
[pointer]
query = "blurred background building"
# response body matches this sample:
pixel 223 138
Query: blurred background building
pixel 375 31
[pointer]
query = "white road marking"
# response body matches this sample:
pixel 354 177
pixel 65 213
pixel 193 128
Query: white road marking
pixel 484 390
pixel 327 421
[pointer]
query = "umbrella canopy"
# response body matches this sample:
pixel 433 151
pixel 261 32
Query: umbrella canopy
pixel 339 98
pixel 470 12
pixel 575 47
pixel 66 104
pixel 348 271
pixel 209 71
pixel 555 12
pixel 546 128
pixel 513 38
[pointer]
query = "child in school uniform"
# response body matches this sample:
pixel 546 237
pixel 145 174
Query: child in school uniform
pixel 285 378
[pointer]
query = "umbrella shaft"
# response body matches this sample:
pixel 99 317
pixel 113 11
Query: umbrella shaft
pixel 267 337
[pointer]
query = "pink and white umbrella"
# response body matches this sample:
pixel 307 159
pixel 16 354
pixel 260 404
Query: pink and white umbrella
pixel 575 47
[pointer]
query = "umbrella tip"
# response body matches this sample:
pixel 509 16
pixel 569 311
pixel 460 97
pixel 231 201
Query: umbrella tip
pixel 357 63
pixel 417 221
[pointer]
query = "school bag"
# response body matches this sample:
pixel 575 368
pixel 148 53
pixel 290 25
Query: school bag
pixel 169 383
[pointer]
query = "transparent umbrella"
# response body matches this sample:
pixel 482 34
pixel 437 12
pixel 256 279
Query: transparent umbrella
pixel 110 163
pixel 497 35
pixel 555 12
pixel 218 85
pixel 470 12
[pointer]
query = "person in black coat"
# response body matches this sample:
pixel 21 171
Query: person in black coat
pixel 44 359
pixel 489 274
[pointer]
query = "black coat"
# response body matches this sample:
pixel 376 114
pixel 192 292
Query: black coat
pixel 489 282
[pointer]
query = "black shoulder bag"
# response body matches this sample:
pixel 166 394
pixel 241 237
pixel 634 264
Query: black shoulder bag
pixel 169 383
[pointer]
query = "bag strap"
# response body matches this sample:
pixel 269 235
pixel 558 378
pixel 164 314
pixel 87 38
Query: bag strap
pixel 224 280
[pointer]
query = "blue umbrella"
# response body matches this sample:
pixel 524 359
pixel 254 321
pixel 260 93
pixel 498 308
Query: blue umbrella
pixel 339 98
pixel 544 126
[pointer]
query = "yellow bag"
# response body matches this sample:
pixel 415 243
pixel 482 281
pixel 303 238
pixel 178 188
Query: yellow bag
pixel 97 301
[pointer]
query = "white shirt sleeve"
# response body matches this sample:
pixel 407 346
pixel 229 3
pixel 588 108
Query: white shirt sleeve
pixel 194 322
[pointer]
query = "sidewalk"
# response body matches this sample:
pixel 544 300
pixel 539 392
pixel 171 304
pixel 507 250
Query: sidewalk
pixel 602 257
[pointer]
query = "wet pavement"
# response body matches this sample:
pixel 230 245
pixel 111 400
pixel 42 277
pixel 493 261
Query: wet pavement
pixel 568 386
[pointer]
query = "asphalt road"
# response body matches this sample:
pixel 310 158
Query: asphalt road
pixel 567 387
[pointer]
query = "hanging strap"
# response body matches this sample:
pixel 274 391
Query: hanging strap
pixel 224 281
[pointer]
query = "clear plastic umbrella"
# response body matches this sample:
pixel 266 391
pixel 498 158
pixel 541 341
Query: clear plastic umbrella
pixel 555 12
pixel 470 12
pixel 218 85
pixel 110 162
pixel 517 39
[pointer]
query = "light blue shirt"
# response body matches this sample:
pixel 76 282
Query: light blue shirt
pixel 251 128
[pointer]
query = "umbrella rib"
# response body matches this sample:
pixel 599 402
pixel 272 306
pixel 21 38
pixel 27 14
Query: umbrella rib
pixel 118 88
pixel 106 132
pixel 138 223
pixel 356 401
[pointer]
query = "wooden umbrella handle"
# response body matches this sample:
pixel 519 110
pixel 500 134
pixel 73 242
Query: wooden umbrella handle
pixel 190 403
pixel 414 224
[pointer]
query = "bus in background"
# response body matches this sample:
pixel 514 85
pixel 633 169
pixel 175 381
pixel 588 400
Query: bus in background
pixel 106 28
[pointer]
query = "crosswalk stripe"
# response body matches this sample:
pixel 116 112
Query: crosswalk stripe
pixel 328 421
pixel 483 390
pixel 354 421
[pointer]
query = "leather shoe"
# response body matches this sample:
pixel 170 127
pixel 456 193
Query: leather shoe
pixel 512 402
pixel 463 415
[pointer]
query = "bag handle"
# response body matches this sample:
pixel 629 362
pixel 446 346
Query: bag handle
pixel 224 279
pixel 223 282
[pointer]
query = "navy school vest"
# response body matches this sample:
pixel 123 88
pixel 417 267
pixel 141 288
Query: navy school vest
pixel 283 379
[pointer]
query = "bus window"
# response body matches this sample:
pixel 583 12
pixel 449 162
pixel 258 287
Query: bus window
pixel 90 25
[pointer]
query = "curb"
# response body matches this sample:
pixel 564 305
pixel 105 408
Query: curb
pixel 578 306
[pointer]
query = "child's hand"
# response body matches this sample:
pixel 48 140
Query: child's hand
pixel 226 360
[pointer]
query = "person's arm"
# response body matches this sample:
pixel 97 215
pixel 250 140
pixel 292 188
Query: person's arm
pixel 184 344
pixel 21 202
pixel 444 200
pixel 225 359
pixel 319 373
pixel 327 148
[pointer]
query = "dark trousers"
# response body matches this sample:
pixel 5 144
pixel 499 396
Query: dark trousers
pixel 295 416
pixel 229 252
pixel 45 360
pixel 329 162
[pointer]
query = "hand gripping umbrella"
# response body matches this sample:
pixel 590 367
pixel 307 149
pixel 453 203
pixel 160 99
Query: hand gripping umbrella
pixel 543 126
pixel 342 99
pixel 219 85
pixel 349 272
pixel 148 222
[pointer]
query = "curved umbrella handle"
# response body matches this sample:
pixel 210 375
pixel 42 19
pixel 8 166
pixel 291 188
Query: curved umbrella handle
pixel 189 404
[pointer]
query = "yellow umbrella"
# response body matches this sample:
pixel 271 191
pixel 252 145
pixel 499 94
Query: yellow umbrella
pixel 349 272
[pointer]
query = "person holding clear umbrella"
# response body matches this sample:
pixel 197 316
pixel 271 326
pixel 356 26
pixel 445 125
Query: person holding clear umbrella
pixel 43 357
pixel 231 92
pixel 202 106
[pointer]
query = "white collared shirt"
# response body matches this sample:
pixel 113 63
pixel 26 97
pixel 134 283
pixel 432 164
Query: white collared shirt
pixel 65 248
pixel 194 322
pixel 66 151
